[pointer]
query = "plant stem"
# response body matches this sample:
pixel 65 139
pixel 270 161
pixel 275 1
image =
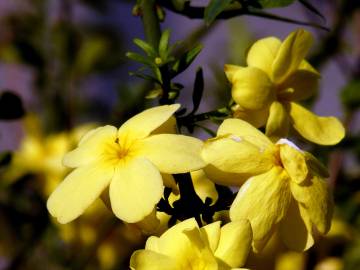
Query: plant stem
pixel 150 22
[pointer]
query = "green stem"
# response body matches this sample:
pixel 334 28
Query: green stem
pixel 150 22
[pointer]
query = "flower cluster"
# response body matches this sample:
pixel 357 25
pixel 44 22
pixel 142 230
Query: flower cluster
pixel 141 168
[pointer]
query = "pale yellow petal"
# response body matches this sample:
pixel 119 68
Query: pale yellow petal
pixel 315 166
pixel 296 228
pixel 252 89
pixel 142 124
pixel 290 54
pixel 203 186
pixel 235 243
pixel 320 130
pixel 277 125
pixel 150 260
pixel 235 155
pixel 172 153
pixel 263 200
pixel 230 71
pixel 224 178
pixel 169 127
pixel 314 194
pixel 262 53
pixel 91 147
pixel 257 118
pixel 294 163
pixel 78 190
pixel 302 85
pixel 211 234
pixel 135 189
pixel 245 131
pixel 169 182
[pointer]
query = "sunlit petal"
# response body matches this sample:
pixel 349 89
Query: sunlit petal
pixel 277 125
pixel 135 189
pixel 252 88
pixel 291 53
pixel 172 153
pixel 78 190
pixel 150 260
pixel 320 130
pixel 262 53
pixel 294 163
pixel 263 200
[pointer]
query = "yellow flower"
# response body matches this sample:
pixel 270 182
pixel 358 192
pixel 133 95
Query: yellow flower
pixel 186 246
pixel 285 189
pixel 276 77
pixel 129 160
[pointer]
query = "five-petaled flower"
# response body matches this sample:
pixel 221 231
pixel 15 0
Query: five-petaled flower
pixel 276 77
pixel 186 246
pixel 285 189
pixel 129 160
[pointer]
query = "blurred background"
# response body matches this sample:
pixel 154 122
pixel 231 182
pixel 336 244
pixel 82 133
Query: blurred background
pixel 65 60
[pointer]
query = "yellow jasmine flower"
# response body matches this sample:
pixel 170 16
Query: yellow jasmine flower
pixel 186 246
pixel 277 76
pixel 129 161
pixel 285 189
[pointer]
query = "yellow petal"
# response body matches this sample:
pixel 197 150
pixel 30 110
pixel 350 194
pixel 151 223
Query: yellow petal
pixel 257 118
pixel 277 125
pixel 290 54
pixel 235 155
pixel 169 126
pixel 172 153
pixel 320 130
pixel 235 243
pixel 169 182
pixel 135 189
pixel 245 131
pixel 203 186
pixel 150 260
pixel 316 197
pixel 303 83
pixel 211 234
pixel 263 200
pixel 91 147
pixel 294 163
pixel 295 228
pixel 262 53
pixel 230 71
pixel 315 166
pixel 224 178
pixel 252 89
pixel 142 124
pixel 78 190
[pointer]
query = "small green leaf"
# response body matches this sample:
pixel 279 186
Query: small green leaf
pixel 185 60
pixel 146 47
pixel 198 90
pixel 214 8
pixel 350 95
pixel 10 106
pixel 140 58
pixel 144 76
pixel 163 44
pixel 275 3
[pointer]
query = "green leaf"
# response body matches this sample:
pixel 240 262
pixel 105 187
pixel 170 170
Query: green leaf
pixel 144 76
pixel 275 3
pixel 163 44
pixel 146 47
pixel 312 8
pixel 185 60
pixel 214 8
pixel 350 95
pixel 140 58
pixel 10 106
pixel 198 89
